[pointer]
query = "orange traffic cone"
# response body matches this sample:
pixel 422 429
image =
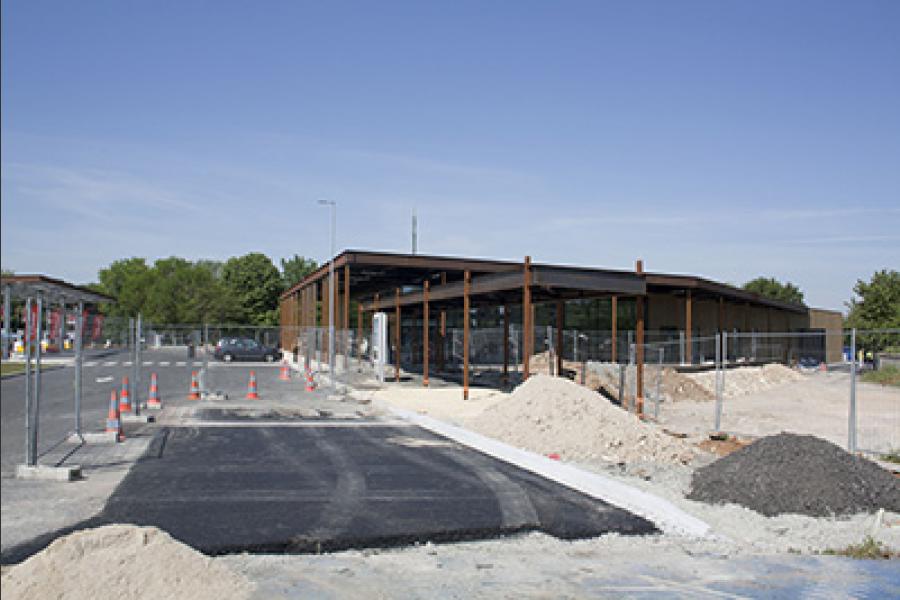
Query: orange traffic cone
pixel 112 417
pixel 310 382
pixel 251 387
pixel 124 400
pixel 195 387
pixel 153 400
pixel 285 374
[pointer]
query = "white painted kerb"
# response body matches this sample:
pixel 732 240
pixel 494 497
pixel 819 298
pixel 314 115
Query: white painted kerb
pixel 668 517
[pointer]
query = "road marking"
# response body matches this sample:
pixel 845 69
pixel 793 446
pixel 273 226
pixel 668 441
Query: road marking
pixel 110 363
pixel 180 363
pixel 104 379
pixel 148 363
pixel 164 363
pixel 92 363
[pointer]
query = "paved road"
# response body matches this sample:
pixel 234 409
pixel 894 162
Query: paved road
pixel 57 409
pixel 308 486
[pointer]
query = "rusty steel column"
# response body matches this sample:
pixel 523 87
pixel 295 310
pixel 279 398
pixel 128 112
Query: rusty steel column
pixel 614 312
pixel 425 334
pixel 689 327
pixel 560 324
pixel 347 297
pixel 467 284
pixel 527 323
pixel 442 337
pixel 359 324
pixel 326 320
pixel 505 378
pixel 397 336
pixel 639 346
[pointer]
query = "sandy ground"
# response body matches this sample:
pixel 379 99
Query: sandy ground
pixel 818 404
pixel 444 403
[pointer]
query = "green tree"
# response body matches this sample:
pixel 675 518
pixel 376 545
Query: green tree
pixel 876 305
pixel 255 284
pixel 772 288
pixel 126 280
pixel 294 269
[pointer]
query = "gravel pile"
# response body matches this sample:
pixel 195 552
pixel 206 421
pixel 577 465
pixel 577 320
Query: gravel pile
pixel 552 415
pixel 799 474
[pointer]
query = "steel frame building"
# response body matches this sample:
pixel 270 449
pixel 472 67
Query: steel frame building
pixel 429 285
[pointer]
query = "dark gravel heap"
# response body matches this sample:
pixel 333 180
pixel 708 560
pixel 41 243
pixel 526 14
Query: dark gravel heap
pixel 789 473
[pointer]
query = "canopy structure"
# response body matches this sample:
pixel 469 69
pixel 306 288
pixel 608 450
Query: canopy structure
pixel 53 290
pixel 40 293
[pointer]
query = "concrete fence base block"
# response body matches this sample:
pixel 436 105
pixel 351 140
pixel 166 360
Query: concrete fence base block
pixel 97 437
pixel 137 419
pixel 48 473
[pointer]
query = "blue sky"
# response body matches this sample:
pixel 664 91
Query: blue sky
pixel 727 139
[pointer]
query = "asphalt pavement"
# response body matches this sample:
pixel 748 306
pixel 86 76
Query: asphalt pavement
pixel 103 373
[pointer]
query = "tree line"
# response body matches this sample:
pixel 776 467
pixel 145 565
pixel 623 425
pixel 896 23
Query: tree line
pixel 242 290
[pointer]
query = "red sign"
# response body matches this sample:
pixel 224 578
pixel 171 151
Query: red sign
pixel 54 323
pixel 30 324
pixel 98 326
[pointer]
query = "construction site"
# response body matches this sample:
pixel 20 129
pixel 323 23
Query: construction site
pixel 440 416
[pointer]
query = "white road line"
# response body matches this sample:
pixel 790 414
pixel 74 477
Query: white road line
pixel 148 363
pixel 110 363
pixel 180 363
pixel 92 363
pixel 164 363
pixel 104 379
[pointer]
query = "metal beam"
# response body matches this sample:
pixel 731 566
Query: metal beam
pixel 425 337
pixel 614 312
pixel 560 324
pixel 397 337
pixel 467 280
pixel 527 322
pixel 505 344
pixel 639 346
pixel 689 326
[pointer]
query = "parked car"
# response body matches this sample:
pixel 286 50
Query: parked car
pixel 229 349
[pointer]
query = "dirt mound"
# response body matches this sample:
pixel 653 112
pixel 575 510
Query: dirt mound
pixel 554 415
pixel 740 381
pixel 121 561
pixel 802 474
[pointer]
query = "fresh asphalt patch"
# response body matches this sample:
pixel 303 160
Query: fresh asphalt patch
pixel 315 489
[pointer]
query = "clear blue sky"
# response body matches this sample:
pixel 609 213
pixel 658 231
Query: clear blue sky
pixel 727 139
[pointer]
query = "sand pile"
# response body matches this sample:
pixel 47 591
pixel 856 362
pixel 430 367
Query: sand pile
pixel 121 561
pixel 747 380
pixel 802 474
pixel 554 415
pixel 674 386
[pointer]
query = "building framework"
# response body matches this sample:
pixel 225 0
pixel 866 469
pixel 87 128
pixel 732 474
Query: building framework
pixel 422 289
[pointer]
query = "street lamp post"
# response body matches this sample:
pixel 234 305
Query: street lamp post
pixel 331 366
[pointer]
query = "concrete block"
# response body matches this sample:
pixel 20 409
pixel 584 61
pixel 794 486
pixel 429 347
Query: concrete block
pixel 137 418
pixel 94 437
pixel 48 473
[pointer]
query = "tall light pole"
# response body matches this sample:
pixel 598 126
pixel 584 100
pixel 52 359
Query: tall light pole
pixel 333 205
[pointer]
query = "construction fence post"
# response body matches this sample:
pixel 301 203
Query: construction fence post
pixel 851 417
pixel 659 371
pixel 719 382
pixel 631 363
pixel 79 363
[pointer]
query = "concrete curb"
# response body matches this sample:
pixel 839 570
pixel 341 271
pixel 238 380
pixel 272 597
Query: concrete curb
pixel 666 516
